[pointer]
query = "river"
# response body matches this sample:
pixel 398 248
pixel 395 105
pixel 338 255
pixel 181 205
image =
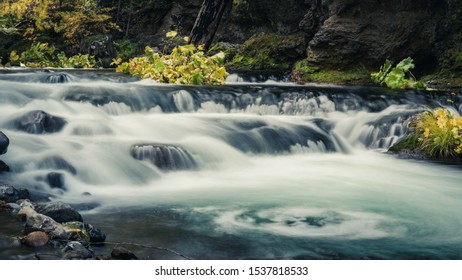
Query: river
pixel 268 170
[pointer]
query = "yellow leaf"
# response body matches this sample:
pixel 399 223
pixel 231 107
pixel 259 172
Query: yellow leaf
pixel 186 39
pixel 427 132
pixel 171 34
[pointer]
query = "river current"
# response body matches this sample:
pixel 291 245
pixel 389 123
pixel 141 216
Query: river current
pixel 252 170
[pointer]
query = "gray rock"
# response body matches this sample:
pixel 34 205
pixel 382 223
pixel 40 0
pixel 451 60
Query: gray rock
pixel 11 194
pixel 165 157
pixel 120 253
pixel 4 142
pixel 76 251
pixel 59 211
pixel 38 122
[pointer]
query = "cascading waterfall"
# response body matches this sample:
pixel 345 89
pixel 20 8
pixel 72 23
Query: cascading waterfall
pixel 245 170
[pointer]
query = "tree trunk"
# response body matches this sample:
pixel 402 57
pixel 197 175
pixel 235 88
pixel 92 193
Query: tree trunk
pixel 207 21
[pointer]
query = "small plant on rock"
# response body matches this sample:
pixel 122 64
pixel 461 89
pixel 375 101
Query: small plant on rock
pixel 398 77
pixel 439 134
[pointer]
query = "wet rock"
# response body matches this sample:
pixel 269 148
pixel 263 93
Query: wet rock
pixel 57 78
pixel 40 222
pixel 14 207
pixel 76 251
pixel 120 253
pixel 89 231
pixel 165 157
pixel 59 211
pixel 4 167
pixel 37 239
pixel 4 142
pixel 11 194
pixel 38 122
pixel 55 180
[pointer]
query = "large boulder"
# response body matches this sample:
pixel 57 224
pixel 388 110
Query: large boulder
pixel 11 194
pixel 59 211
pixel 165 157
pixel 4 142
pixel 38 122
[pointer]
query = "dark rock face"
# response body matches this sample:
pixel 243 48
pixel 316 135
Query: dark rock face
pixel 59 211
pixel 11 194
pixel 38 122
pixel 248 18
pixel 4 142
pixel 369 31
pixel 165 157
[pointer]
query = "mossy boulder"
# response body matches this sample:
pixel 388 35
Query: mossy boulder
pixel 269 52
pixel 306 72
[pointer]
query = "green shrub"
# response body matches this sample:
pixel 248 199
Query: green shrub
pixel 125 48
pixel 439 134
pixel 44 55
pixel 185 65
pixel 398 77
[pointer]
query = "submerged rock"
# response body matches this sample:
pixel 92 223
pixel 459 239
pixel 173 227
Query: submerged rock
pixel 4 167
pixel 59 211
pixel 58 163
pixel 37 239
pixel 120 253
pixel 76 251
pixel 55 180
pixel 11 194
pixel 165 157
pixel 4 142
pixel 38 122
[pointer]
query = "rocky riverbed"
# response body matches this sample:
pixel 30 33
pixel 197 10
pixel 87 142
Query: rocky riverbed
pixel 51 224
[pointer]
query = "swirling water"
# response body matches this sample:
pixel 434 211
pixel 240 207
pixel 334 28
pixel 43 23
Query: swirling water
pixel 279 170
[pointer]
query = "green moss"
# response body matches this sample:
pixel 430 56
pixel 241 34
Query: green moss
pixel 306 72
pixel 269 53
pixel 229 50
pixel 409 143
